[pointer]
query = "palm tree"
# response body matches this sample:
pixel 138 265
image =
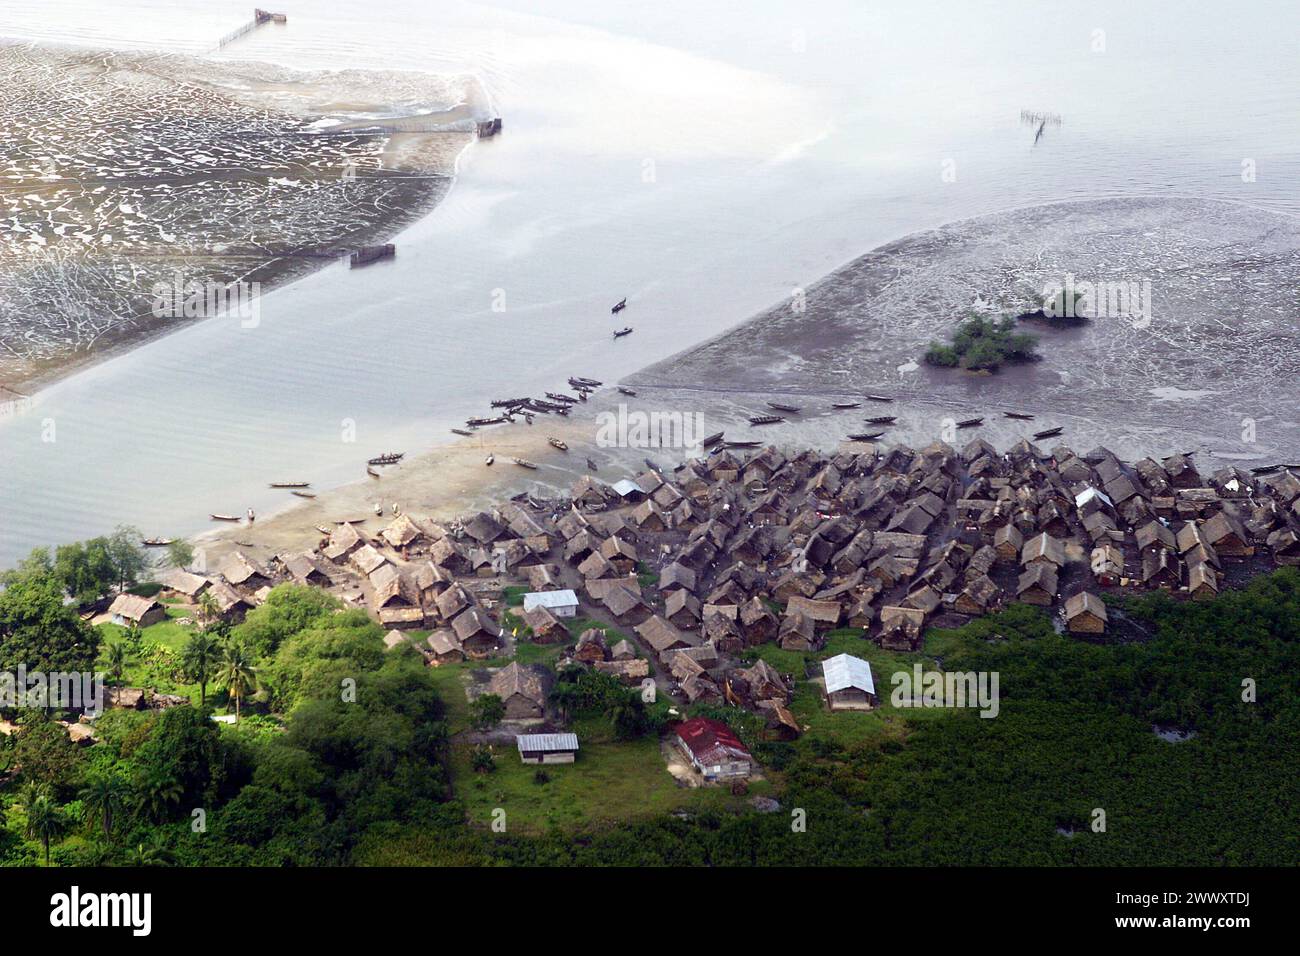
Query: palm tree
pixel 45 822
pixel 199 661
pixel 153 854
pixel 208 607
pixel 157 794
pixel 236 673
pixel 116 659
pixel 104 797
pixel 565 697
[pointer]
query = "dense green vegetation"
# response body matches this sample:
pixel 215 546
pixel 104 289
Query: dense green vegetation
pixel 342 753
pixel 981 343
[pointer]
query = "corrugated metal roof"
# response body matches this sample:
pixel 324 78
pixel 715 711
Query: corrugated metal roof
pixel 529 743
pixel 844 670
pixel 625 487
pixel 550 599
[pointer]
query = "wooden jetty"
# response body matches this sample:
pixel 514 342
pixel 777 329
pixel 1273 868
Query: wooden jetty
pixel 259 17
pixel 368 254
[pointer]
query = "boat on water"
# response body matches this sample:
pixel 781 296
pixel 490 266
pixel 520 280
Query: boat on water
pixel 592 465
pixel 476 422
pixel 462 431
pixel 879 398
pixel 290 484
pixel 846 404
pixel 743 444
pixel 584 382
pixel 782 407
pixel 508 402
pixel 626 330
pixel 1049 433
pixel 882 420
pixel 1020 416
pixel 1265 469
pixel 490 458
pixel 970 422
pixel 156 542
pixel 626 391
pixel 387 458
pixel 371 472
pixel 524 463
pixel 303 494
pixel 220 517
pixel 619 306
pixel 765 419
pixel 556 443
pixel 712 439
pixel 865 436
pixel 559 397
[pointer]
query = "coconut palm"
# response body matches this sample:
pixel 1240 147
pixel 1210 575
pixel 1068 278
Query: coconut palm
pixel 199 660
pixel 150 854
pixel 116 660
pixel 209 610
pixel 104 797
pixel 236 673
pixel 157 794
pixel 45 822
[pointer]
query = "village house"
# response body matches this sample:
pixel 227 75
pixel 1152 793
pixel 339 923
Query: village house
pixel 1085 613
pixel 547 748
pixel 445 647
pixel 561 603
pixel 182 584
pixel 713 749
pixel 849 684
pixel 131 610
pixel 522 690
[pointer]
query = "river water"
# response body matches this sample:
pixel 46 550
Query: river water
pixel 701 158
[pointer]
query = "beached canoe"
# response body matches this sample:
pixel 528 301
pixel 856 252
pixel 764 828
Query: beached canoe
pixel 221 517
pixel 303 494
pixel 387 458
pixel 372 473
pixel 626 391
pixel 461 431
pixel 290 484
pixel 156 542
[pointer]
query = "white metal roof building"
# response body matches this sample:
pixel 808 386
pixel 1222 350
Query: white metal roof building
pixel 560 603
pixel 846 672
pixel 547 748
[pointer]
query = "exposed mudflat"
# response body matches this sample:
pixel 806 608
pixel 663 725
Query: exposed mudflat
pixel 1215 370
pixel 121 171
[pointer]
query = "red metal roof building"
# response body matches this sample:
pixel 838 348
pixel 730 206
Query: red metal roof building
pixel 714 749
